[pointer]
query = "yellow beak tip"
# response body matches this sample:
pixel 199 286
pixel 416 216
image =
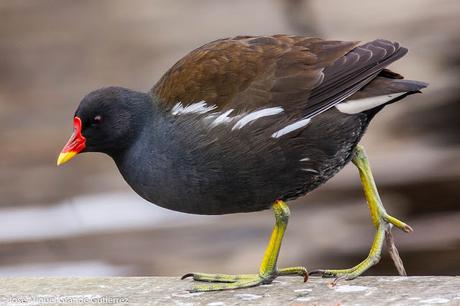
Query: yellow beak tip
pixel 65 157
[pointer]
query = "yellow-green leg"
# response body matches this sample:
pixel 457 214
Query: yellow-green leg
pixel 268 270
pixel 380 218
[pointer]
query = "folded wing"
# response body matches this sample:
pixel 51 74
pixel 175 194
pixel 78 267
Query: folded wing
pixel 304 76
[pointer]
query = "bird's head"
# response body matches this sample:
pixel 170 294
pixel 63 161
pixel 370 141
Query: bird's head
pixel 106 121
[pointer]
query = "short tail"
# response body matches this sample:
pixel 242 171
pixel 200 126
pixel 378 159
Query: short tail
pixel 387 88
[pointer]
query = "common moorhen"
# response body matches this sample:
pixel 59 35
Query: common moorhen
pixel 247 123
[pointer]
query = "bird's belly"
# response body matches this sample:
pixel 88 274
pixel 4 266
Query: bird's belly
pixel 200 199
pixel 235 193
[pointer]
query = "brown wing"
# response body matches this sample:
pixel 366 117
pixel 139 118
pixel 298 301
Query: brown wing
pixel 250 72
pixel 305 76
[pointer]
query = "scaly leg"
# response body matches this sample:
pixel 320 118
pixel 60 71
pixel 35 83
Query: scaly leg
pixel 380 218
pixel 268 270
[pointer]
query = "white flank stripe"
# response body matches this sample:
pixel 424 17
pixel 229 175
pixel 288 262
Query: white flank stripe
pixel 291 127
pixel 223 118
pixel 361 105
pixel 305 159
pixel 197 108
pixel 256 115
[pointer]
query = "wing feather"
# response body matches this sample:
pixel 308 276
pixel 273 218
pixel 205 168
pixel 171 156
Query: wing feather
pixel 248 73
pixel 345 77
pixel 305 76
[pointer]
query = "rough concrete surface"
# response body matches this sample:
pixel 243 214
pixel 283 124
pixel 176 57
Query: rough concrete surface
pixel 371 290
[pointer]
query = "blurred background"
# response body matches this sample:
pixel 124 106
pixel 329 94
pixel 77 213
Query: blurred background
pixel 83 219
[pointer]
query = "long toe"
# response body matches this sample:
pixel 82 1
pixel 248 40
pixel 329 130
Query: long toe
pixel 236 283
pixel 301 271
pixel 217 278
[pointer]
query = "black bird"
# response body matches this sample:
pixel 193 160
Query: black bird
pixel 247 123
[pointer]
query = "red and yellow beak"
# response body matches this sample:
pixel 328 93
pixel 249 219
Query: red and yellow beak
pixel 75 144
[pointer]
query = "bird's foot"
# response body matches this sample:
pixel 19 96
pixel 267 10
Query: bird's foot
pixel 218 282
pixel 384 226
pixel 382 221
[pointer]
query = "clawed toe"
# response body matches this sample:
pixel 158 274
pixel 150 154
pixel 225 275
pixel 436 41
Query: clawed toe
pixel 397 223
pixel 217 282
pixel 186 276
pixel 301 271
pixel 217 278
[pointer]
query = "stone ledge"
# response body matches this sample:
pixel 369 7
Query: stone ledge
pixel 370 290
